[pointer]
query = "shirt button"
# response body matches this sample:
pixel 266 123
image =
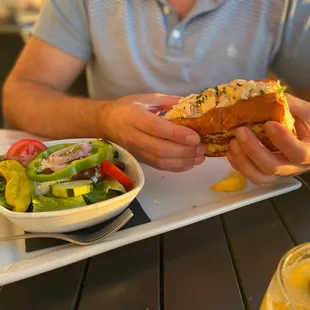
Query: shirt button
pixel 166 10
pixel 176 34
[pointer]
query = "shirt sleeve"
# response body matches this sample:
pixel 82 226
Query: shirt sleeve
pixel 291 62
pixel 64 24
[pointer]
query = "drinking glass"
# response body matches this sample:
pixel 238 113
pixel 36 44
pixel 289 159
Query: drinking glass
pixel 289 288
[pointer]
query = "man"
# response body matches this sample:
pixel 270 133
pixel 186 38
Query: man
pixel 150 51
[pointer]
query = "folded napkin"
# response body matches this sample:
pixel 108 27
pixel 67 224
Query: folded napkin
pixel 139 218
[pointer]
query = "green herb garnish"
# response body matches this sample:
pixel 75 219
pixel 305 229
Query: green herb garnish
pixel 262 92
pixel 200 99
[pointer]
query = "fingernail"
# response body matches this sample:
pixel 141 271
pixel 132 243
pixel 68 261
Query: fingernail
pixel 270 128
pixel 193 139
pixel 241 134
pixel 186 168
pixel 201 150
pixel 234 146
pixel 199 160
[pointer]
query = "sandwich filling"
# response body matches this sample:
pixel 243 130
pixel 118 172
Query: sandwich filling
pixel 195 105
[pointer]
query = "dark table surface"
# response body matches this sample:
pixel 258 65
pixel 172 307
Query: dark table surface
pixel 225 262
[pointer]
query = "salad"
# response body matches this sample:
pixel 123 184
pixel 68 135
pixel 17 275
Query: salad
pixel 37 178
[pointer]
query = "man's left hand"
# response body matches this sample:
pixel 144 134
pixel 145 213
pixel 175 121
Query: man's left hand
pixel 248 156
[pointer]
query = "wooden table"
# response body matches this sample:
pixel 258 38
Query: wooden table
pixel 225 262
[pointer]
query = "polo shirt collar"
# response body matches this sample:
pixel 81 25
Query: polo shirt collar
pixel 201 6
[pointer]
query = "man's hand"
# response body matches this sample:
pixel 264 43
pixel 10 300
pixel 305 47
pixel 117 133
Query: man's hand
pixel 248 156
pixel 132 123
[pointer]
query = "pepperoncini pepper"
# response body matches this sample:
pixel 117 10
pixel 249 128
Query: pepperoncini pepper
pixel 18 189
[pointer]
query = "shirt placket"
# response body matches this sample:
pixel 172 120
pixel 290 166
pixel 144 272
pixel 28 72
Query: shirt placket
pixel 176 28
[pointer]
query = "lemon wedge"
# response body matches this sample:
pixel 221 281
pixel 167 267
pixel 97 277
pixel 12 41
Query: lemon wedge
pixel 235 182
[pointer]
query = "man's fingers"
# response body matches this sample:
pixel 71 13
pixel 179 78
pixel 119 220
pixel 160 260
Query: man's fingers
pixel 165 103
pixel 162 128
pixel 163 148
pixel 231 161
pixel 164 154
pixel 244 165
pixel 169 149
pixel 258 153
pixel 298 107
pixel 287 168
pixel 157 102
pixel 302 128
pixel 169 164
pixel 268 162
pixel 295 150
pixel 181 169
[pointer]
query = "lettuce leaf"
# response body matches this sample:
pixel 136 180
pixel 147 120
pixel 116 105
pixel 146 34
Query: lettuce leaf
pixel 104 190
pixel 2 185
pixel 281 91
pixel 48 203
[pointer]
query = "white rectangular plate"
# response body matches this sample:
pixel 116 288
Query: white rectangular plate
pixel 171 200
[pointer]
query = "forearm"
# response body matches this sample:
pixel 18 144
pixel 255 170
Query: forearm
pixel 41 110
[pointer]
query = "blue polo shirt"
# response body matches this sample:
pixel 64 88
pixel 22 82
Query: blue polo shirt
pixel 141 46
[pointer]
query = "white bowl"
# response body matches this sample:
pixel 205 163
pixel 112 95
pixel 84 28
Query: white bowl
pixel 81 217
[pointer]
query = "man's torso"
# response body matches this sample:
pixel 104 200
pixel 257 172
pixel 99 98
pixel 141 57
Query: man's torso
pixel 140 46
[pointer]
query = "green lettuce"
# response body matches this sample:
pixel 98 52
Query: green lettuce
pixel 281 90
pixel 104 190
pixel 2 185
pixel 48 203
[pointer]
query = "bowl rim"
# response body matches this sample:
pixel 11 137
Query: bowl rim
pixel 50 214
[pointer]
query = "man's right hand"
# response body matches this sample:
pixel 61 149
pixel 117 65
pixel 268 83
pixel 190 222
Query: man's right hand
pixel 132 123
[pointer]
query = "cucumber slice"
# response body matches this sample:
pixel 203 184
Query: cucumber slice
pixel 72 188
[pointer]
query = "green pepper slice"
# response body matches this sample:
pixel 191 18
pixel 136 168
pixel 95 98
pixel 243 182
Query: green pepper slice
pixel 99 153
pixel 108 147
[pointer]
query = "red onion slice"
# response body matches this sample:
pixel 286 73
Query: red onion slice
pixel 68 154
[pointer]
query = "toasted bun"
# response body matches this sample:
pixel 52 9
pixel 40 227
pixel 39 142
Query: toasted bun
pixel 218 125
